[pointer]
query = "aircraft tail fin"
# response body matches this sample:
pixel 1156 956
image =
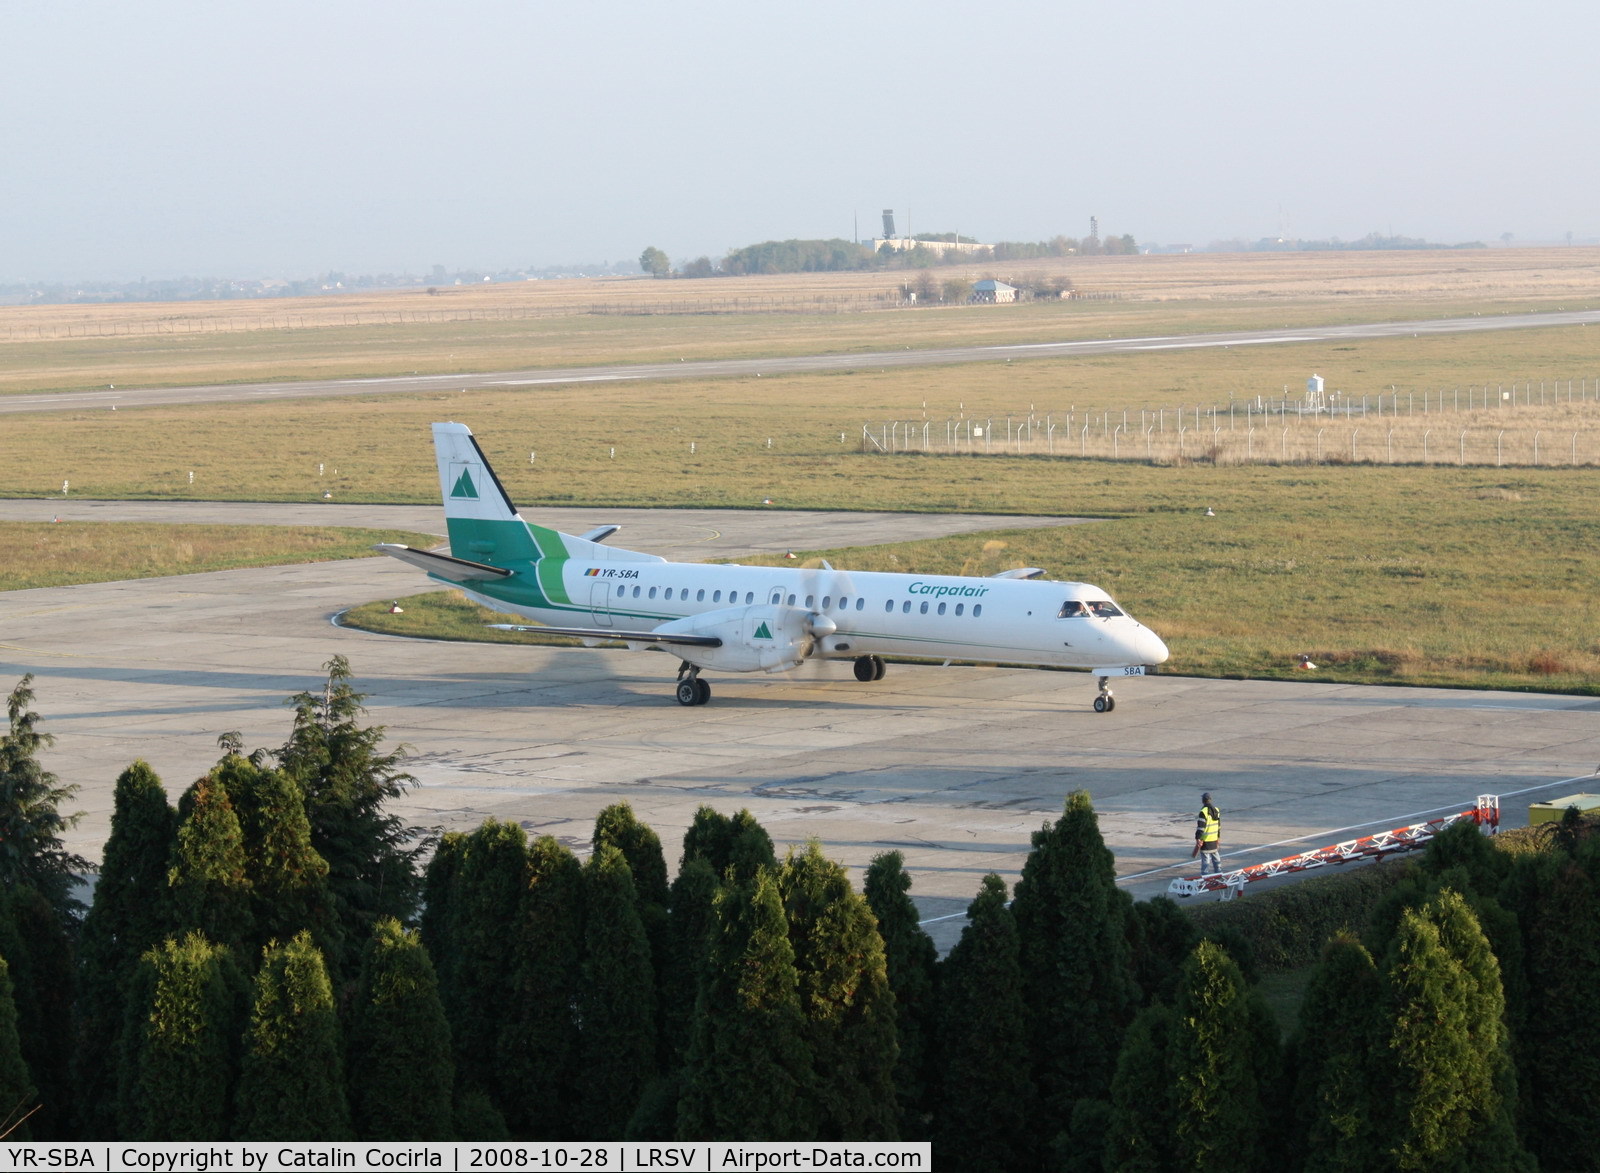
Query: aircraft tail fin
pixel 483 524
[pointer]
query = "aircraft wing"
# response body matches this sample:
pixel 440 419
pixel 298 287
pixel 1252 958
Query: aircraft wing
pixel 641 639
pixel 454 569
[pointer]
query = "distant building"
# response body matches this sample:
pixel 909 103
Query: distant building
pixel 939 247
pixel 990 290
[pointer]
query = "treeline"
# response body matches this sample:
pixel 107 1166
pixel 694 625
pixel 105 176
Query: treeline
pixel 837 255
pixel 249 969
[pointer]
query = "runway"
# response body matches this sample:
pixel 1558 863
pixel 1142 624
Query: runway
pixel 751 367
pixel 954 766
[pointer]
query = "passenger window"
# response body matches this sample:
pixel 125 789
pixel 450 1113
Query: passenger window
pixel 652 592
pixel 977 609
pixel 889 605
pixel 749 596
pixel 860 603
pixel 941 608
pixel 636 592
pixel 825 601
pixel 960 607
pixel 791 600
pixel 810 601
pixel 924 606
pixel 621 590
pixel 700 596
pixel 905 607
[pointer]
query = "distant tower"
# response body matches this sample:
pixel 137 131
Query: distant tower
pixel 888 223
pixel 1094 229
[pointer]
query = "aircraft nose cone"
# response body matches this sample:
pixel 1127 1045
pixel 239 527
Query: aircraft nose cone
pixel 1151 649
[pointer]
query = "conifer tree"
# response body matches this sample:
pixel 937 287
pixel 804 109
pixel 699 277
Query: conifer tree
pixel 488 887
pixel 402 1076
pixel 748 1072
pixel 616 999
pixel 31 822
pixel 692 925
pixel 347 779
pixel 18 1099
pixel 1071 920
pixel 1561 1044
pixel 288 879
pixel 187 1011
pixel 1162 937
pixel 1220 1121
pixel 1448 1067
pixel 1336 1108
pixel 641 848
pixel 38 949
pixel 845 996
pixel 987 1107
pixel 911 959
pixel 441 892
pixel 292 1083
pixel 539 1060
pixel 209 875
pixel 1141 1132
pixel 129 916
pixel 738 843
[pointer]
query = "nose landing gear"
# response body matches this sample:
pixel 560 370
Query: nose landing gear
pixel 1105 702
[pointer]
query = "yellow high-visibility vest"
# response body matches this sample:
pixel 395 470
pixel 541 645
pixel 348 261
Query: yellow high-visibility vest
pixel 1210 824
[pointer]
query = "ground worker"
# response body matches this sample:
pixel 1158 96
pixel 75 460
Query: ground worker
pixel 1207 833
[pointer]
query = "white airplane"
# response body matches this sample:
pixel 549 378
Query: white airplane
pixel 760 618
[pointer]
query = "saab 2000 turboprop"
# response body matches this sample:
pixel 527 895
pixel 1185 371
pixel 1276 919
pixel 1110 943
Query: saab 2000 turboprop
pixel 760 618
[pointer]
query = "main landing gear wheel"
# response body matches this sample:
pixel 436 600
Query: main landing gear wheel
pixel 1105 702
pixel 868 668
pixel 692 690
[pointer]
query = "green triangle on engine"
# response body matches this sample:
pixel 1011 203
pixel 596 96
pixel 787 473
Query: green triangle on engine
pixel 762 633
pixel 464 487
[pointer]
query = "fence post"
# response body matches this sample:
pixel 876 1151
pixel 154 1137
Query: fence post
pixel 1463 460
pixel 1425 436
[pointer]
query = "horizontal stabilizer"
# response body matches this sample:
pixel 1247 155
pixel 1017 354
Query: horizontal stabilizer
pixel 616 635
pixel 442 565
pixel 600 533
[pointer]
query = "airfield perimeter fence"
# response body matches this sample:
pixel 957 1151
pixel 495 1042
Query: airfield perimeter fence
pixel 1542 422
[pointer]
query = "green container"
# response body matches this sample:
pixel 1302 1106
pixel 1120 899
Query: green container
pixel 1551 812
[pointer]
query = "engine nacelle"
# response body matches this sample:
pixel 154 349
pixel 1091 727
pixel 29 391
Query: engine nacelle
pixel 760 638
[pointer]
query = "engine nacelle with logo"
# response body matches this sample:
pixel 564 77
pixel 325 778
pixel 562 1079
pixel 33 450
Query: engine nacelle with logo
pixel 760 638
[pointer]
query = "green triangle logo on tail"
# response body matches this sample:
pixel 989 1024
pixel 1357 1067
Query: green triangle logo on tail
pixel 464 488
pixel 762 633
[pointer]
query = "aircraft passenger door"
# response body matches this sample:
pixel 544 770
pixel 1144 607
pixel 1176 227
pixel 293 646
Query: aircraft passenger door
pixel 600 602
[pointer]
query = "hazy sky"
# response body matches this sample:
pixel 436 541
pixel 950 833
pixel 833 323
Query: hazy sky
pixel 244 138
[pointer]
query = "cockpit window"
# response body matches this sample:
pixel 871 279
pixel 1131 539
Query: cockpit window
pixel 1085 608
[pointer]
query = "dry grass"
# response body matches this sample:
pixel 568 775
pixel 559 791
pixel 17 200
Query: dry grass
pixel 45 554
pixel 585 322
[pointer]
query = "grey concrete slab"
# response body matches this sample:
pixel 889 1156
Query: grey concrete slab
pixel 954 766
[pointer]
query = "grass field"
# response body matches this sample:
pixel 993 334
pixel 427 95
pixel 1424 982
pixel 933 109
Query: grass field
pixel 46 554
pixel 550 323
pixel 706 442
